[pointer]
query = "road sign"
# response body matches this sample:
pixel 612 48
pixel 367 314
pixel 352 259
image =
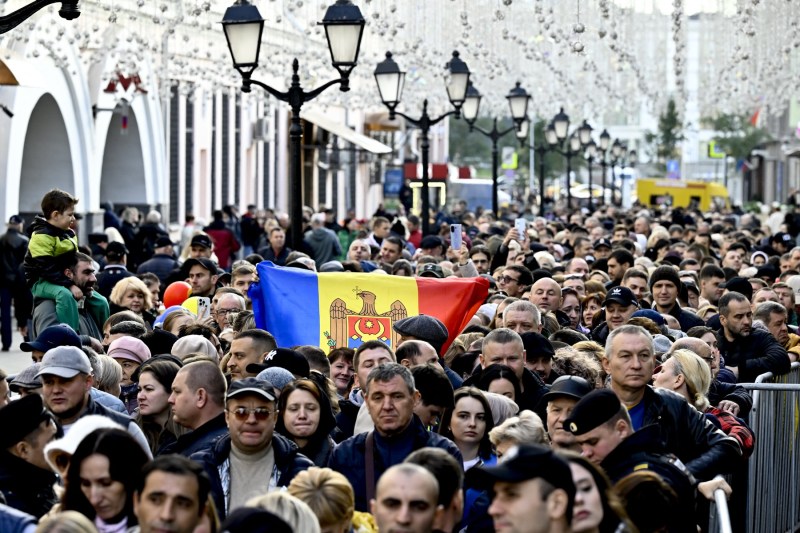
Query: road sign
pixel 510 158
pixel 713 153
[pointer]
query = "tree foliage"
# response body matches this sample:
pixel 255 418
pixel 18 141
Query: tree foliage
pixel 473 148
pixel 669 134
pixel 736 134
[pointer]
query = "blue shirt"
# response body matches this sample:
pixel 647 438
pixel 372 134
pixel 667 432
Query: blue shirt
pixel 637 415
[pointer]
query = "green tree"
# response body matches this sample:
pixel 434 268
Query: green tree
pixel 473 148
pixel 669 134
pixel 736 134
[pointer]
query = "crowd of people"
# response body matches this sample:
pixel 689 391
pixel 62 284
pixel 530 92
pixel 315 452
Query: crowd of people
pixel 597 389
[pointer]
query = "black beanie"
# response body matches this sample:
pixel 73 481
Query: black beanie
pixel 665 273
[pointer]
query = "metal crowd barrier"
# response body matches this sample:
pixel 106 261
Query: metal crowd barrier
pixel 720 518
pixel 773 493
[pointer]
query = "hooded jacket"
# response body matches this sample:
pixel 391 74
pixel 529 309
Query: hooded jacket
pixel 216 461
pixel 50 251
pixel 320 445
pixel 324 245
pixel 225 243
pixel 199 439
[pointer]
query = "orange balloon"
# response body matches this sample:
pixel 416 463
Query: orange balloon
pixel 177 293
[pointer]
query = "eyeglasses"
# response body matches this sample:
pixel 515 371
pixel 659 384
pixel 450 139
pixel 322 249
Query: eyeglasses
pixel 573 276
pixel 709 360
pixel 220 312
pixel 507 279
pixel 242 413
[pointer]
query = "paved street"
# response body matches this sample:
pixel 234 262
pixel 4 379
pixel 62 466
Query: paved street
pixel 15 360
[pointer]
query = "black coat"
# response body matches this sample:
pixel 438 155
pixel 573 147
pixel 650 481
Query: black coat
pixel 25 486
pixel 288 461
pixel 161 265
pixel 685 432
pixel 686 319
pixel 201 438
pixel 643 450
pixel 349 458
pixel 720 390
pixel 756 354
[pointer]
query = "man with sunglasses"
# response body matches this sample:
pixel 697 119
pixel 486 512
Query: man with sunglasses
pixel 514 279
pixel 251 459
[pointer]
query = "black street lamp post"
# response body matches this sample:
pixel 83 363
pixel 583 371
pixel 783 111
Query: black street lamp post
pixel 591 152
pixel 616 154
pixel 518 100
pixel 605 141
pixel 390 80
pixel 556 134
pixel 344 27
pixel 69 11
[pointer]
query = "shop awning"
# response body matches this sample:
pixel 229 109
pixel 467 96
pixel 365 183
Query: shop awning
pixel 344 132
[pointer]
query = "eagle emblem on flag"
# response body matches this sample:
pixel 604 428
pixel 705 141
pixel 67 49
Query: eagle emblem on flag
pixel 351 329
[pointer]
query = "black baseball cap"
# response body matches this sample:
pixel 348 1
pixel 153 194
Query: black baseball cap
pixel 622 296
pixel 117 249
pixel 431 241
pixel 291 360
pixel 201 240
pixel 522 463
pixel 601 243
pixel 204 262
pixel 52 337
pixel 164 241
pixel 568 387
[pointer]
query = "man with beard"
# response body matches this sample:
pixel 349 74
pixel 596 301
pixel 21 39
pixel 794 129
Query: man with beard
pixel 82 274
pixel 747 352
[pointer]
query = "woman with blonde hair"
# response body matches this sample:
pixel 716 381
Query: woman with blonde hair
pixel 527 428
pixel 330 496
pixel 288 508
pixel 687 374
pixel 66 522
pixel 132 294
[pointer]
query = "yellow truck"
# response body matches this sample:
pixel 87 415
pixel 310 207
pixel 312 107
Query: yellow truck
pixel 706 196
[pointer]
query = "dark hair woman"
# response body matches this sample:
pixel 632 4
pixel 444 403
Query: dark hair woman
pixel 500 379
pixel 306 419
pixel 102 478
pixel 154 378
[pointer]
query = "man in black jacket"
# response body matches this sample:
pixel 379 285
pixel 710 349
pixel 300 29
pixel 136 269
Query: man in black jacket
pixel 747 352
pixel 390 395
pixel 198 404
pixel 26 480
pixel 665 286
pixel 602 427
pixel 505 347
pixel 685 432
pixel 13 245
pixel 252 459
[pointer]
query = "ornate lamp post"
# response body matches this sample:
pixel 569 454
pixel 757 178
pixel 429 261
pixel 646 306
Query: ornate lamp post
pixel 390 80
pixel 578 139
pixel 605 141
pixel 344 27
pixel 69 11
pixel 591 152
pixel 616 153
pixel 518 100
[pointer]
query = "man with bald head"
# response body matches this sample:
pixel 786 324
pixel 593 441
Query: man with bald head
pixel 546 295
pixel 406 499
pixel 725 396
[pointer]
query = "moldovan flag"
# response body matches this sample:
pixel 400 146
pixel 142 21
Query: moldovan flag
pixel 343 309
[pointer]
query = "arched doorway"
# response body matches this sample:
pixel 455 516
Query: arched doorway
pixel 46 158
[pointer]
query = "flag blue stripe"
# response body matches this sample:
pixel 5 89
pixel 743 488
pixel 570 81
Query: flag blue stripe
pixel 296 320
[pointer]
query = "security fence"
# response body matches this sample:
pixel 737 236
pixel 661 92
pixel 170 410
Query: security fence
pixel 773 493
